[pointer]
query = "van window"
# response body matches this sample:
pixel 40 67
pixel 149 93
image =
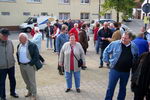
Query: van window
pixel 31 20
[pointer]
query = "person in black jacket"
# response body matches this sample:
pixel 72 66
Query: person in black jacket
pixel 49 30
pixel 28 59
pixel 140 80
pixel 103 34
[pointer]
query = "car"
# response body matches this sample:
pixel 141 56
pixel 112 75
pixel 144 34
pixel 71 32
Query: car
pixel 127 20
pixel 101 21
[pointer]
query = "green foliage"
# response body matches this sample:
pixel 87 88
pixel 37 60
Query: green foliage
pixel 124 6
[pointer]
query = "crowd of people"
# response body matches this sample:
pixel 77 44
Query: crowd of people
pixel 122 54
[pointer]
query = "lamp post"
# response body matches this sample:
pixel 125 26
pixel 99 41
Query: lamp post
pixel 99 7
pixel 146 17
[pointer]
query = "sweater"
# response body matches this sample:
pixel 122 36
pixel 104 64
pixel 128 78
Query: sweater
pixel 65 56
pixel 7 59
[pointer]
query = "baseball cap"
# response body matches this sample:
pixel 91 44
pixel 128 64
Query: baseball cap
pixel 4 31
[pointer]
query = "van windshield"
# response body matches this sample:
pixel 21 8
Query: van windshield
pixel 31 19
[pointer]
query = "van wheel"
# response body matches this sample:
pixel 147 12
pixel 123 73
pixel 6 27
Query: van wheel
pixel 28 29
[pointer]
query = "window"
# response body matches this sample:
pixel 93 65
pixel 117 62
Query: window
pixel 64 16
pixel 85 16
pixel 33 0
pixel 8 0
pixel 108 16
pixel 26 13
pixel 64 1
pixel 44 13
pixel 5 13
pixel 85 1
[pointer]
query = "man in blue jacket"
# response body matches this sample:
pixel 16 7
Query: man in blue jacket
pixel 141 43
pixel 120 55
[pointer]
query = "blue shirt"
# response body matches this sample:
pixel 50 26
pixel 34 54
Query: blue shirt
pixel 141 44
pixel 60 40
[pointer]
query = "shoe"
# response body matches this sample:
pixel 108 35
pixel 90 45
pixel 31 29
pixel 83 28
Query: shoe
pixel 15 95
pixel 28 95
pixel 33 98
pixel 2 98
pixel 83 67
pixel 68 90
pixel 100 66
pixel 78 90
pixel 61 73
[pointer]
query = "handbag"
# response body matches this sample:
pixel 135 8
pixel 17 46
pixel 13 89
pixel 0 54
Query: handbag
pixel 80 61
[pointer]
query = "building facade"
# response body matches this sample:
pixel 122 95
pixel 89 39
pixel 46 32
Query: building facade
pixel 15 12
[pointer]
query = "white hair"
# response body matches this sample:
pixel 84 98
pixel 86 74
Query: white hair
pixel 36 29
pixel 76 24
pixel 24 35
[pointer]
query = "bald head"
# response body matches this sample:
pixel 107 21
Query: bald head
pixel 105 25
pixel 23 38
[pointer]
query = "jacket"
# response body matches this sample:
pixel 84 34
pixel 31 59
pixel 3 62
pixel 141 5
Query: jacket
pixel 141 73
pixel 104 33
pixel 113 51
pixel 7 59
pixel 37 39
pixel 141 44
pixel 116 36
pixel 33 55
pixel 47 31
pixel 60 40
pixel 65 56
pixel 83 39
pixel 75 32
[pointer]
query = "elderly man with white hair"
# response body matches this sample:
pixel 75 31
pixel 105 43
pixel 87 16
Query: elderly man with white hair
pixel 28 59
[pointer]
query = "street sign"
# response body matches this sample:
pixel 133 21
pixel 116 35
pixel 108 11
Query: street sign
pixel 146 8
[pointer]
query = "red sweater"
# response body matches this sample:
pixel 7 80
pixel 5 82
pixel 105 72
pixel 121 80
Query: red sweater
pixel 96 33
pixel 71 60
pixel 75 32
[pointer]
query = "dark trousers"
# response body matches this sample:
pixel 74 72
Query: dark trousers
pixel 101 56
pixel 12 80
pixel 85 50
pixel 55 45
pixel 41 58
pixel 139 95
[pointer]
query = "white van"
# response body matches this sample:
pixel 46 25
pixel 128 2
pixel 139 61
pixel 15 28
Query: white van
pixel 39 20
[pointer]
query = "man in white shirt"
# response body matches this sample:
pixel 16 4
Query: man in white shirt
pixel 28 59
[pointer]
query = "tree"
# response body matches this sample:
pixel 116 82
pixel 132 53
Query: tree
pixel 124 6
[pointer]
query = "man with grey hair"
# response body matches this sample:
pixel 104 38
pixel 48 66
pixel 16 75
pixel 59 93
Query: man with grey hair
pixel 120 55
pixel 28 59
pixel 7 64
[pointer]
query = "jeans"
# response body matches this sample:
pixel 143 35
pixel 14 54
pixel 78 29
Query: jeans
pixel 114 76
pixel 97 46
pixel 12 80
pixel 68 76
pixel 49 40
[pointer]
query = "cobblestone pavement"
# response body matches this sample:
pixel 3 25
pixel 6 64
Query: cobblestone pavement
pixel 51 86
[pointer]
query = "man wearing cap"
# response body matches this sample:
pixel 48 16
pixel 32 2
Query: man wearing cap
pixel 7 64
